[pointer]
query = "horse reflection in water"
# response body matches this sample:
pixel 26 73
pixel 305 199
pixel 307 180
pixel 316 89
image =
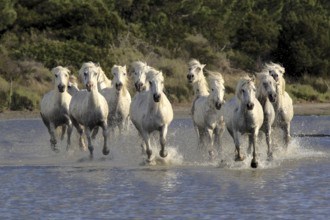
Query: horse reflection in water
pixel 152 111
pixel 243 114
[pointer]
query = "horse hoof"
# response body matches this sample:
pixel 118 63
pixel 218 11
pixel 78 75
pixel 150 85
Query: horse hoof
pixel 163 153
pixel 239 158
pixel 254 163
pixel 149 153
pixel 105 151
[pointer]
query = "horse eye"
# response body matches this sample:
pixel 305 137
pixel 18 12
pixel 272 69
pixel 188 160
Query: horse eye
pixel 150 83
pixel 55 75
pixel 212 90
pixel 242 91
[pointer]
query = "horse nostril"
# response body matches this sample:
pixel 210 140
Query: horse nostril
pixel 250 106
pixel 119 85
pixel 156 97
pixel 61 88
pixel 190 77
pixel 218 105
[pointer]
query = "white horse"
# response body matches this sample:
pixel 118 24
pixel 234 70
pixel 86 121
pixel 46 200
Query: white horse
pixel 267 94
pixel 196 77
pixel 152 111
pixel 283 106
pixel 243 114
pixel 118 98
pixel 54 107
pixel 207 115
pixel 140 70
pixel 89 108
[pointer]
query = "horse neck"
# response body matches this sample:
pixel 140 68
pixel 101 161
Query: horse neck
pixel 263 99
pixel 154 106
pixel 93 97
pixel 278 103
pixel 200 87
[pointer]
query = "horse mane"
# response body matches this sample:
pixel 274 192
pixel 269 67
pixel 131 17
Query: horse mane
pixel 194 62
pixel 138 63
pixel 272 65
pixel 153 73
pixel 242 82
pixel 215 76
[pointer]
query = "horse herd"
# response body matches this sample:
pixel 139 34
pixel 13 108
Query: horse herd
pixel 106 103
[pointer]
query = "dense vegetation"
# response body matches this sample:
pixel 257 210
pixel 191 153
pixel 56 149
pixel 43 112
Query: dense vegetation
pixel 227 35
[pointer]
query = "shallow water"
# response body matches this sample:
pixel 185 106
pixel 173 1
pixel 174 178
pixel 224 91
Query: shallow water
pixel 37 183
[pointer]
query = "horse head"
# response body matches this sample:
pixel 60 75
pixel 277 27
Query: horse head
pixel 217 87
pixel 119 76
pixel 139 74
pixel 61 78
pixel 89 73
pixel 195 71
pixel 246 92
pixel 156 83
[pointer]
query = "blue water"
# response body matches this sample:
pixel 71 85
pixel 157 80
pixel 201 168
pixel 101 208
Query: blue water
pixel 36 183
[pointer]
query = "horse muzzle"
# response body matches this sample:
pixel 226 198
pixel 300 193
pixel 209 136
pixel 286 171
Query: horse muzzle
pixel 272 97
pixel 138 86
pixel 61 88
pixel 218 105
pixel 89 86
pixel 119 86
pixel 190 78
pixel 156 97
pixel 250 106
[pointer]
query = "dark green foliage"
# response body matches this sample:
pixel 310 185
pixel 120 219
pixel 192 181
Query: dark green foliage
pixel 245 34
pixel 19 102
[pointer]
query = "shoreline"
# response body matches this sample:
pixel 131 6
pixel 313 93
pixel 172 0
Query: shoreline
pixel 183 111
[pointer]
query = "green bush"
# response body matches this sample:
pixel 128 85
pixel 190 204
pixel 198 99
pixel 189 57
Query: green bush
pixel 19 102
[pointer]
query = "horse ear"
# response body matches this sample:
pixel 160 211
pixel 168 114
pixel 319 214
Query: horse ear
pixel 203 65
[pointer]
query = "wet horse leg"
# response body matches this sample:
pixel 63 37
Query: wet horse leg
pixel 252 140
pixel 104 126
pixel 162 138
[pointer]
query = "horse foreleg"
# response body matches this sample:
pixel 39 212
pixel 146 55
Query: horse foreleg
pixel 269 141
pixel 210 143
pixel 146 138
pixel 89 140
pixel 162 138
pixel 53 142
pixel 106 150
pixel 69 132
pixel 238 157
pixel 252 140
pixel 287 136
pixel 80 131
